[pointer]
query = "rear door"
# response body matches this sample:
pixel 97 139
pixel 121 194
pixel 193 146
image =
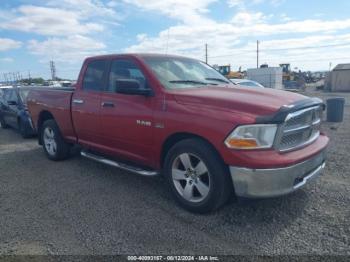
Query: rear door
pixel 127 120
pixel 86 103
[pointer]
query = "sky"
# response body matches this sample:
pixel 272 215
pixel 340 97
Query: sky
pixel 311 35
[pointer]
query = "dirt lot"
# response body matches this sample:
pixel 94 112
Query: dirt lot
pixel 82 207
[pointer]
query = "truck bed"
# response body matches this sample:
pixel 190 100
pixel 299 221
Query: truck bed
pixel 56 101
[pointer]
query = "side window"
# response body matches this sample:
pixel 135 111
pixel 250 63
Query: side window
pixel 12 96
pixel 23 94
pixel 93 78
pixel 6 95
pixel 2 95
pixel 125 69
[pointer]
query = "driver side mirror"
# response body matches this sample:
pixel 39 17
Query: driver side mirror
pixel 131 87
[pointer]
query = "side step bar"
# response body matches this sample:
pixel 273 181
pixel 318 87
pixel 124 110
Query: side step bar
pixel 122 166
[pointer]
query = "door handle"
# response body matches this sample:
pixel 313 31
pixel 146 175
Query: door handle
pixel 78 101
pixel 107 104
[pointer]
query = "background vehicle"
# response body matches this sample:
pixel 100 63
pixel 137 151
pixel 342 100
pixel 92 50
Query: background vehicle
pixel 226 71
pixel 152 114
pixel 247 83
pixel 14 112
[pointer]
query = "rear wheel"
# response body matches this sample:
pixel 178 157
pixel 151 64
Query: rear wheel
pixel 197 177
pixel 3 124
pixel 53 143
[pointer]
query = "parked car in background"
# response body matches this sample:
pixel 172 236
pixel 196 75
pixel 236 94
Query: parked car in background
pixel 13 110
pixel 247 83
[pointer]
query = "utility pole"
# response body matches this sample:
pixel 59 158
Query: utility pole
pixel 206 53
pixel 13 78
pixel 53 70
pixel 29 78
pixel 6 79
pixel 19 77
pixel 257 54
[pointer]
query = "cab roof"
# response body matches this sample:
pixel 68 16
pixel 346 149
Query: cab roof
pixel 138 55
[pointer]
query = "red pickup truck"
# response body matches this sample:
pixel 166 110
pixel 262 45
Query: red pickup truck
pixel 152 114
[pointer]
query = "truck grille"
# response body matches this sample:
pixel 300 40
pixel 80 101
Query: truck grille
pixel 299 129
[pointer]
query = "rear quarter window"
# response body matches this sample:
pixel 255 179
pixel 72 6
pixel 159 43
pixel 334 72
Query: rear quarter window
pixel 94 75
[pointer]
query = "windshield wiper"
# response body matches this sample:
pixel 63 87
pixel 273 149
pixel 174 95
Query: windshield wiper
pixel 188 82
pixel 217 79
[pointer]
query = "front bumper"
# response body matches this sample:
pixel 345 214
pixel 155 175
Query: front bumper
pixel 263 183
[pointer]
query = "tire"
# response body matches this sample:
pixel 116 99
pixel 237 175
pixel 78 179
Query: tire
pixel 55 147
pixel 197 177
pixel 23 130
pixel 3 123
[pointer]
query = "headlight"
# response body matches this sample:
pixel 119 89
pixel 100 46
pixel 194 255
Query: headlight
pixel 252 137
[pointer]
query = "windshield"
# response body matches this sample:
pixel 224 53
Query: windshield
pixel 184 73
pixel 24 94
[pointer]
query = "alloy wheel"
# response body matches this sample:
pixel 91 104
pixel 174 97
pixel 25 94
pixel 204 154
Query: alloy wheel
pixel 191 177
pixel 49 141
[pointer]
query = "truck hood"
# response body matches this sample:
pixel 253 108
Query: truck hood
pixel 248 100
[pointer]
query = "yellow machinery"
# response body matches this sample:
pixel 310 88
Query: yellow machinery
pixel 226 71
pixel 287 73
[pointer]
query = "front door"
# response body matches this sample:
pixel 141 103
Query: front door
pixel 127 120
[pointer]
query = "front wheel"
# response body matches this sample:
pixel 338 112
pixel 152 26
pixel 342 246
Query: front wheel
pixel 53 143
pixel 197 177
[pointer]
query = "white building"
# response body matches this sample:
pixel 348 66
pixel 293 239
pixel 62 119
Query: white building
pixel 270 77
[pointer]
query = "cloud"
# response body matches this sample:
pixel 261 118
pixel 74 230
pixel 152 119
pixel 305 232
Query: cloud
pixel 285 18
pixel 247 18
pixel 73 30
pixel 7 44
pixel 69 49
pixel 49 21
pixel 236 3
pixel 242 4
pixel 235 41
pixel 184 10
pixel 219 35
pixel 69 25
pixel 86 7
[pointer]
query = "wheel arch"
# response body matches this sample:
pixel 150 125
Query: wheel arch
pixel 173 139
pixel 43 116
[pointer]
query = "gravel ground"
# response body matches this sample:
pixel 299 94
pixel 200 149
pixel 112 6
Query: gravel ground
pixel 82 207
